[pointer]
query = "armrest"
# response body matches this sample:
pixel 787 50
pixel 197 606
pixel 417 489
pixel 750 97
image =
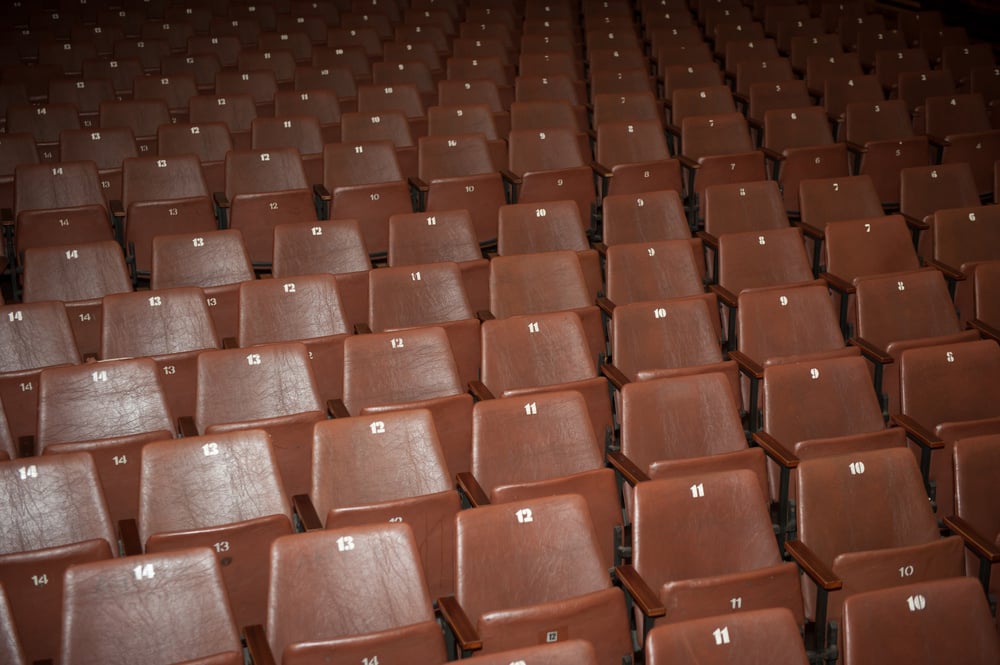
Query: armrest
pixel 186 426
pixel 856 147
pixel 914 223
pixel 220 200
pixel 708 239
pixel 601 169
pixel 362 329
pixel 418 184
pixel 776 450
pixel 459 624
pixel 600 247
pixel 304 508
pixel 480 391
pixel 728 298
pixel 688 162
pixel 672 129
pixel 615 376
pixel 820 573
pixel 337 409
pixel 747 365
pixel 837 283
pixel 917 432
pixel 128 534
pixel 950 272
pixel 938 140
pixel 485 315
pixel 606 305
pixel 117 208
pixel 473 491
pixel 510 176
pixel 985 329
pixel 812 231
pixel 322 193
pixel 773 155
pixel 626 467
pixel 975 540
pixel 229 343
pixel 257 646
pixel 644 597
pixel 871 351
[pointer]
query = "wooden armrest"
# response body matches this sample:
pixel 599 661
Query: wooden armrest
pixel 871 351
pixel 128 534
pixel 644 597
pixel 229 343
pixel 673 129
pixel 856 147
pixel 304 508
pixel 620 462
pixel 615 376
pixel 820 573
pixel 812 231
pixel 473 491
pixel 485 315
pixel 220 200
pixel 600 247
pixel 708 239
pixel 186 426
pixel 257 646
pixel 337 409
pixel 754 123
pixel 459 624
pixel 606 305
pixel 985 329
pixel 747 365
pixel 914 223
pixel 688 162
pixel 776 450
pixel 837 283
pixel 917 432
pixel 510 176
pixel 480 391
pixel 322 193
pixel 728 298
pixel 601 169
pixel 773 155
pixel 938 140
pixel 117 208
pixel 975 540
pixel 950 272
pixel 418 184
pixel 362 329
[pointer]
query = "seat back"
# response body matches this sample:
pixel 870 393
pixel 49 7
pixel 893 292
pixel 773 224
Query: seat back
pixel 63 185
pixel 514 280
pixel 349 562
pixel 259 171
pixel 535 350
pixel 185 617
pixel 835 395
pixel 755 259
pixel 680 418
pixel 652 271
pixel 409 296
pixel 401 366
pixel 670 548
pixel 746 206
pixel 453 156
pixel 878 121
pixel 444 235
pixel 710 100
pixel 534 150
pixel 528 228
pixel 704 136
pixel 956 114
pixel 644 217
pixel 160 179
pixel 514 441
pixel 300 132
pixel 446 120
pixel 73 273
pixel 787 320
pixel 917 623
pixel 949 383
pixel 631 141
pixel 298 308
pixel 156 323
pixel 927 189
pixel 555 535
pixel 863 501
pixel 824 200
pixel 862 247
pixel 796 128
pixel 359 163
pixel 904 306
pixel 976 462
pixel 268 381
pixel 963 235
pixel 212 258
pixel 209 140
